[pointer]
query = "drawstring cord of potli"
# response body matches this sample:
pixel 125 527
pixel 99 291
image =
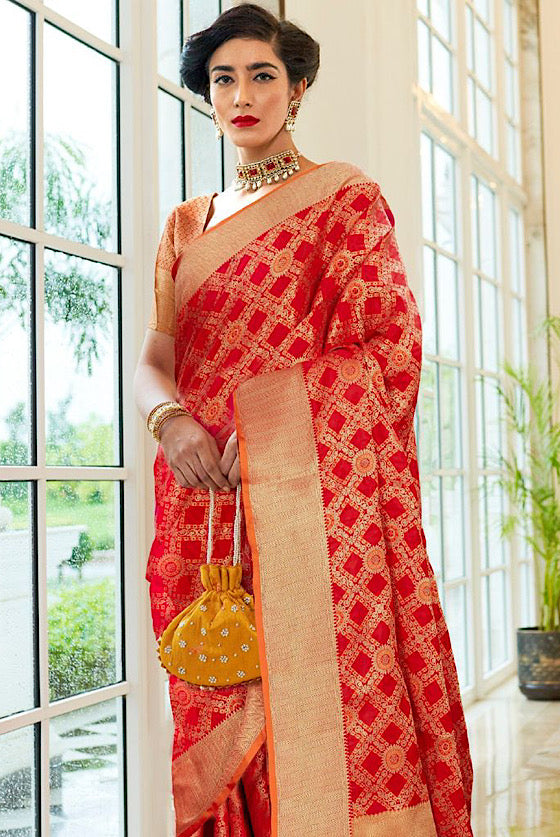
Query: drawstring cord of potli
pixel 236 526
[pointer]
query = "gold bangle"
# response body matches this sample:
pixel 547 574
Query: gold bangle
pixel 152 414
pixel 161 421
pixel 159 415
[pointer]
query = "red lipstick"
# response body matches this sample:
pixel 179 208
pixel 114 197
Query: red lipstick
pixel 244 121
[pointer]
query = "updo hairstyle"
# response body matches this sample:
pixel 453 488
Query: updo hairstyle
pixel 294 47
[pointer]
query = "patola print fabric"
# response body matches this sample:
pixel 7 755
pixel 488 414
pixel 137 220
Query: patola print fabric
pixel 294 324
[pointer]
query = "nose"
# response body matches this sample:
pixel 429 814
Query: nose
pixel 242 97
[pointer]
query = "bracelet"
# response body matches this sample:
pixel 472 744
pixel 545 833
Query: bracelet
pixel 159 415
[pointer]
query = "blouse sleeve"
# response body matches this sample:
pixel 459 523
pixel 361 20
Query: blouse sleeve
pixel 162 317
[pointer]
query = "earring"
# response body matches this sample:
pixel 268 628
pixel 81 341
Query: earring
pixel 293 109
pixel 219 132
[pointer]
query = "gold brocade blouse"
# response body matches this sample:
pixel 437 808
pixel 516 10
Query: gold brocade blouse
pixel 184 223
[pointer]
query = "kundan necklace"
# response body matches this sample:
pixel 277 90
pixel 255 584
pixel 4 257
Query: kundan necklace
pixel 252 175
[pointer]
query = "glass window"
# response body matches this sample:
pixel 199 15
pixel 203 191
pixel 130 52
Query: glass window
pixel 480 81
pixel 81 361
pixel 18 785
pixel 16 434
pixel 169 38
pixel 205 157
pixel 98 18
pixel 83 584
pixel 436 55
pixel 171 148
pixel 17 601
pixel 85 785
pixel 15 113
pixel 81 198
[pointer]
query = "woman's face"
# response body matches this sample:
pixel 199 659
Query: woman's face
pixel 240 88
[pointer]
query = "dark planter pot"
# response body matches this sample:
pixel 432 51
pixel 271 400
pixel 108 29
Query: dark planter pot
pixel 538 663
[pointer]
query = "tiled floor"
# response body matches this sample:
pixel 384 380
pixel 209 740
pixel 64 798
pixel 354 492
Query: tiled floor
pixel 515 747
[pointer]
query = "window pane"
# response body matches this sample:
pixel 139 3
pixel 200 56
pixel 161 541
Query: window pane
pixel 81 361
pixel 442 84
pixel 517 272
pixel 85 753
pixel 510 28
pixel 475 220
pixel 489 325
pixel 80 159
pixel 487 228
pixel 18 784
pixel 98 17
pixel 423 7
pixel 202 13
pixel 483 9
pixel 482 54
pixel 429 320
pixel 445 198
pixel 470 39
pixel 17 607
pixel 513 153
pixel 450 417
pixel 441 17
pixel 483 521
pixel 169 38
pixel 427 188
pixel 206 160
pixel 171 154
pixel 471 106
pixel 15 110
pixel 447 313
pixel 15 358
pixel 518 333
pixel 456 618
pixel 510 100
pixel 424 55
pixel 452 519
pixel 496 544
pixel 497 619
pixel 491 428
pixel 431 521
pixel 484 130
pixel 429 444
pixel 83 586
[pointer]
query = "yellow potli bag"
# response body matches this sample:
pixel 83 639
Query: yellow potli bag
pixel 213 641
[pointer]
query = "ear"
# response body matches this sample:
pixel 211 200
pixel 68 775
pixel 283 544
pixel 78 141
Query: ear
pixel 299 89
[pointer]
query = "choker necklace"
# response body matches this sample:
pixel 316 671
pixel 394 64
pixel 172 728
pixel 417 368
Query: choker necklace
pixel 252 175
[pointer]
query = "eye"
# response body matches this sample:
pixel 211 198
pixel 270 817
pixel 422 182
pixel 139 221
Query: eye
pixel 264 73
pixel 218 78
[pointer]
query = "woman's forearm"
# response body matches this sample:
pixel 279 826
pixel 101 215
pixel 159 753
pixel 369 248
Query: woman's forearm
pixel 151 387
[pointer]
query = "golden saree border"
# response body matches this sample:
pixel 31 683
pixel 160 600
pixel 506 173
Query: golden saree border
pixel 293 607
pixel 207 772
pixel 417 821
pixel 162 317
pixel 207 251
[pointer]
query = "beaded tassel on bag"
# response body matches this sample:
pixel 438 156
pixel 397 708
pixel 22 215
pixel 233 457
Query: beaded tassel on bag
pixel 213 641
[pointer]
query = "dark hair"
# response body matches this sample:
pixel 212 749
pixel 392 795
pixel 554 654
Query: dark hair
pixel 298 51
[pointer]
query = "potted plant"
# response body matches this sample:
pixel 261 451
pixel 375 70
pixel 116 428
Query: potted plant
pixel 531 479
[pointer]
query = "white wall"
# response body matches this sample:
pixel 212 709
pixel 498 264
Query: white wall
pixel 362 106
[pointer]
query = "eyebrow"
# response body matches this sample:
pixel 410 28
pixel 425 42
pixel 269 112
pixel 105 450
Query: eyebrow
pixel 256 66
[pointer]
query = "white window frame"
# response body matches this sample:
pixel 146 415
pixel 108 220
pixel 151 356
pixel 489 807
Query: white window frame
pixel 471 158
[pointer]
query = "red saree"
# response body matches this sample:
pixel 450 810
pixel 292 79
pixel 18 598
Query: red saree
pixel 294 323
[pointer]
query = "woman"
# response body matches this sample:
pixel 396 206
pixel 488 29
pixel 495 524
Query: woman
pixel 284 328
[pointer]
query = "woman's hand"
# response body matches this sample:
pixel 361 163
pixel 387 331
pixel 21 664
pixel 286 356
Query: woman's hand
pixel 229 464
pixel 192 454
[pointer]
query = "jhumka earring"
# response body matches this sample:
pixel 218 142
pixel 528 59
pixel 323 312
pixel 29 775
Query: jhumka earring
pixel 219 132
pixel 290 122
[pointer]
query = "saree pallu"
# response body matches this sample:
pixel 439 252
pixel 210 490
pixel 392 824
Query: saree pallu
pixel 294 324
